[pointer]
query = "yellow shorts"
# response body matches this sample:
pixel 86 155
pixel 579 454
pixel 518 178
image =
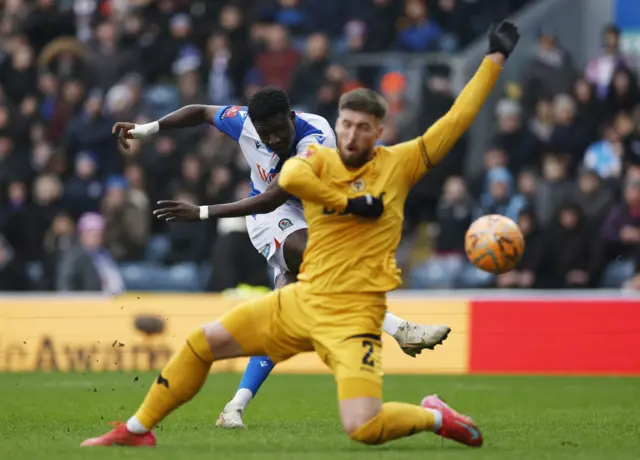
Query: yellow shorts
pixel 344 329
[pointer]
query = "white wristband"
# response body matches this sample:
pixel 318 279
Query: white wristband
pixel 204 212
pixel 146 130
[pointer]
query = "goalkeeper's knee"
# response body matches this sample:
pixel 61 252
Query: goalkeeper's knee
pixel 368 432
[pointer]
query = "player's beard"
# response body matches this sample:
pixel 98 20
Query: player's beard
pixel 358 160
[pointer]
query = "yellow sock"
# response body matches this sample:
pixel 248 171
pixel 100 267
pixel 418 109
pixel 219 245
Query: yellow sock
pixel 395 420
pixel 179 381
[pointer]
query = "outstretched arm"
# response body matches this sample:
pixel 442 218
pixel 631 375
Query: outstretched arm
pixel 268 201
pixel 185 117
pixel 442 136
pixel 264 203
pixel 420 155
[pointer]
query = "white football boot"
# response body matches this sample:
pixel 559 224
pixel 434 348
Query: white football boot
pixel 231 418
pixel 413 338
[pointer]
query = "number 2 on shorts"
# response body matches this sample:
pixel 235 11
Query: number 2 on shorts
pixel 366 359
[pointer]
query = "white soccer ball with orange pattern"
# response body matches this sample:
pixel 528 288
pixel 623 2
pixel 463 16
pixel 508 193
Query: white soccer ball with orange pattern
pixel 494 244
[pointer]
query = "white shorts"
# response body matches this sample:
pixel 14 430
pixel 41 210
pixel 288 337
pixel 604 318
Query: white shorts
pixel 268 233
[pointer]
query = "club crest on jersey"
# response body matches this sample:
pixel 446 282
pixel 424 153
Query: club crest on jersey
pixel 231 112
pixel 307 154
pixel 358 185
pixel 265 251
pixel 266 176
pixel 285 224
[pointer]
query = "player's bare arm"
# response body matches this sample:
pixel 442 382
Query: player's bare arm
pixel 264 203
pixel 186 117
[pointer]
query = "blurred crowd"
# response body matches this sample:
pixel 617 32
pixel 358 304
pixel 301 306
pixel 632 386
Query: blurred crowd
pixel 564 164
pixel 75 208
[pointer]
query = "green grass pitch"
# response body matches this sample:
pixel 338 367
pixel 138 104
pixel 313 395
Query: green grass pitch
pixel 295 417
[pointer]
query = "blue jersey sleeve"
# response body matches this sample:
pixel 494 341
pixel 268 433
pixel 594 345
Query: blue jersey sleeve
pixel 230 120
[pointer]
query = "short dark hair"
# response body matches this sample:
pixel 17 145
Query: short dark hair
pixel 267 103
pixel 365 101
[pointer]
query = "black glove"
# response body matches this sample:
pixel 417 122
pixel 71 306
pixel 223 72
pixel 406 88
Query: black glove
pixel 503 38
pixel 365 206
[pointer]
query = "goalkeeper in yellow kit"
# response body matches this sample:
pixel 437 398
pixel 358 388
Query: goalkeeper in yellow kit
pixel 353 201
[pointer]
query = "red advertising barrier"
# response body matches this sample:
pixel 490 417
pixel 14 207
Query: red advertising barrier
pixel 555 336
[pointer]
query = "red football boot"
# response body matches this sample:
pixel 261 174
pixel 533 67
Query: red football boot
pixel 120 436
pixel 456 426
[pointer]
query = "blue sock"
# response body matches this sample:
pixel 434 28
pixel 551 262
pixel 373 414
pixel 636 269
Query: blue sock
pixel 256 373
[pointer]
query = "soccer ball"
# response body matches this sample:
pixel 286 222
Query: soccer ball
pixel 494 244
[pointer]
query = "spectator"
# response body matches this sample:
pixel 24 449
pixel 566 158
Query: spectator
pixel 623 94
pixel 495 157
pixel 379 16
pixel 83 191
pixel 161 160
pixel 605 156
pixel 58 240
pixel 355 34
pixel 232 23
pixel 454 214
pixel 541 124
pixel 589 108
pixel 187 239
pixel 601 69
pixel 553 190
pixel 66 106
pixel 528 185
pixel 593 198
pixel 47 202
pixel 278 61
pixel 418 33
pixel 88 266
pixel 621 230
pixel 13 273
pixel 44 22
pixel 520 145
pixel 567 251
pixel 21 77
pixel 90 131
pixel 126 221
pixel 526 274
pixel 14 219
pixel 550 71
pixel 499 197
pixel 454 21
pixel 187 70
pixel 108 62
pixel 309 74
pixel 290 14
pixel 221 88
pixel 569 138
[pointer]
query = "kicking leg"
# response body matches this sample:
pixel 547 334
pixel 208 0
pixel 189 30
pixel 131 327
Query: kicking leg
pixel 241 332
pixel 254 376
pixel 413 338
